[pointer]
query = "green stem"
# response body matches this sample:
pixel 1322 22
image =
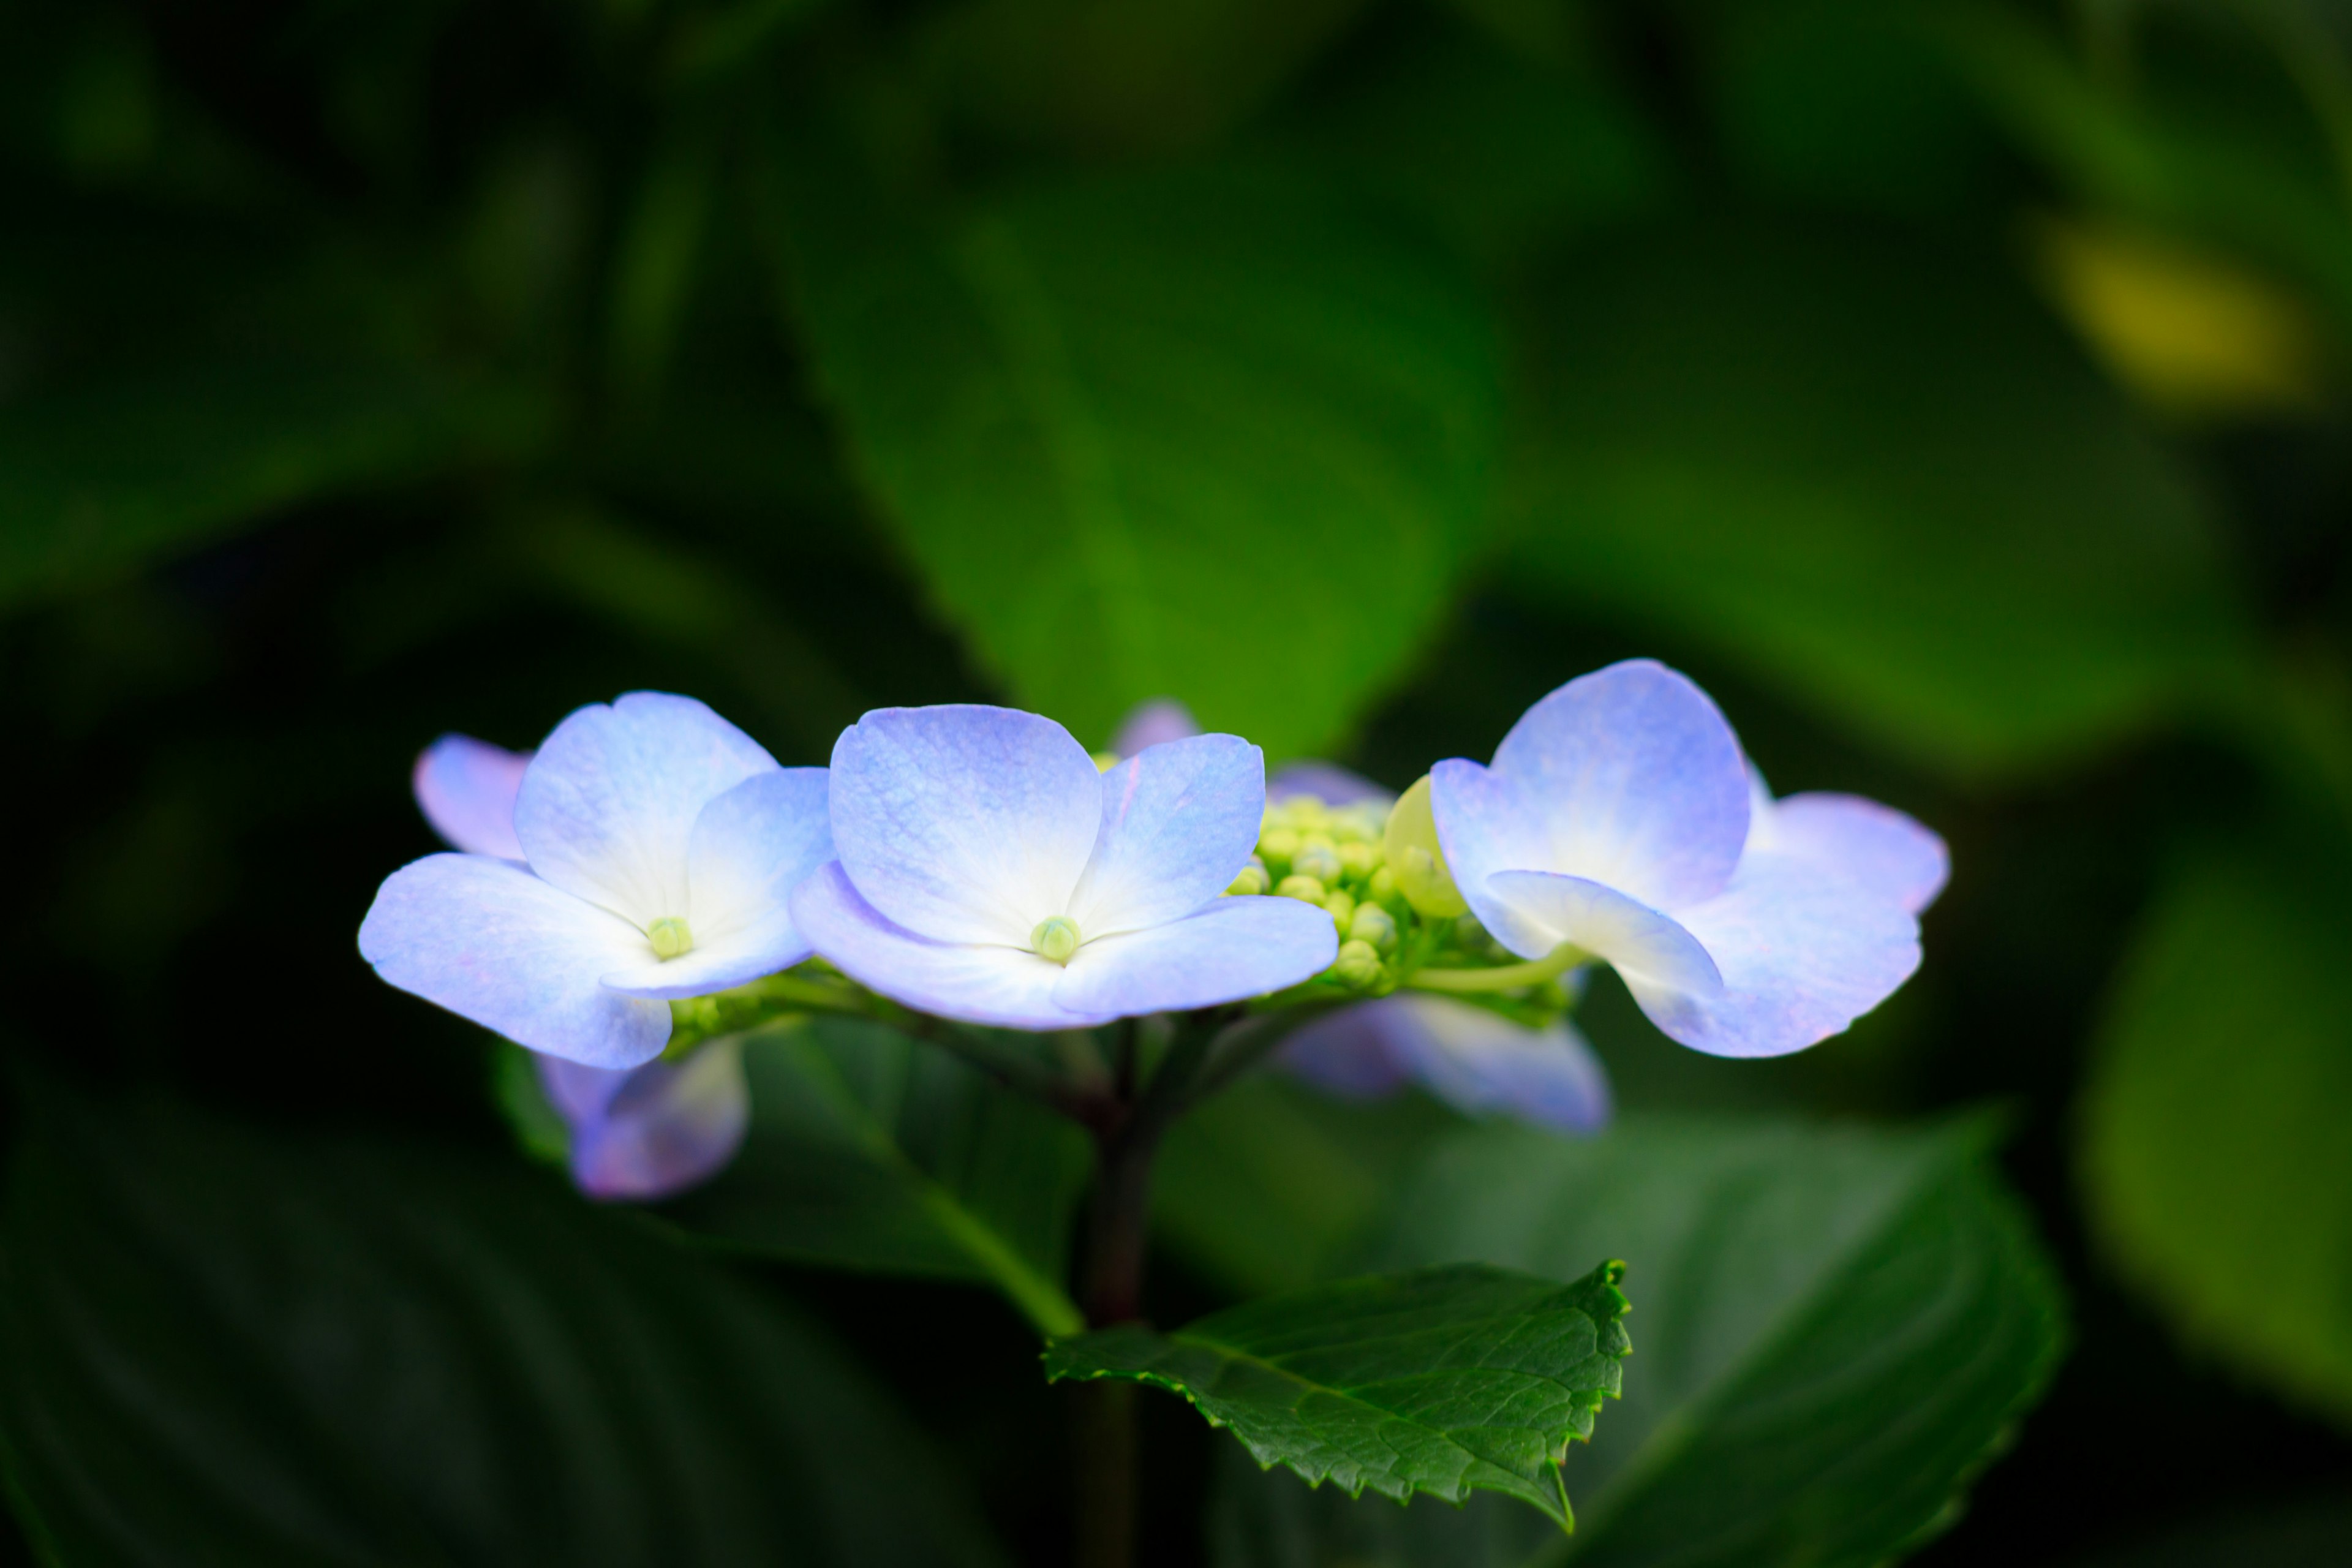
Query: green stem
pixel 1508 977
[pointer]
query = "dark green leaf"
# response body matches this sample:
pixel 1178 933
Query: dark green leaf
pixel 223 1347
pixel 1872 472
pixel 97 483
pixel 869 1151
pixel 1443 1380
pixel 2214 1153
pixel 1270 1183
pixel 1840 1327
pixel 1190 436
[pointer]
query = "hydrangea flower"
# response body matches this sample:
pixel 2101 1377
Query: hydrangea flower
pixel 660 844
pixel 633 1132
pixel 988 871
pixel 652 1130
pixel 1164 719
pixel 1478 1063
pixel 1617 823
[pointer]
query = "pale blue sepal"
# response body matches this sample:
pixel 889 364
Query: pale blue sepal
pixel 467 790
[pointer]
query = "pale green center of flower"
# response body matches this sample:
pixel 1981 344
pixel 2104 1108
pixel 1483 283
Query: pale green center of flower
pixel 1056 937
pixel 670 936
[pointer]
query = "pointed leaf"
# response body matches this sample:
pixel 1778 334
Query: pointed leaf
pixel 1158 437
pixel 1443 1381
pixel 1842 1326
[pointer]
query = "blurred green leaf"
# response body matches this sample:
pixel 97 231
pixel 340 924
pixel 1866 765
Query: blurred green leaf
pixel 2214 1155
pixel 1443 1381
pixel 1269 1186
pixel 226 1348
pixel 1186 435
pixel 2307 1535
pixel 870 1150
pixel 99 481
pixel 1874 472
pixel 1839 1327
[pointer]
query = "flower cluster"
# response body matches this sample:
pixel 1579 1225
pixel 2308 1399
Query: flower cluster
pixel 651 866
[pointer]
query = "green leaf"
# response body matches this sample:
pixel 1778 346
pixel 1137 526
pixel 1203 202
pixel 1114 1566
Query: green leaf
pixel 1269 1184
pixel 99 481
pixel 1443 1380
pixel 2213 1155
pixel 870 1150
pixel 1874 472
pixel 1160 436
pixel 1841 1327
pixel 222 1347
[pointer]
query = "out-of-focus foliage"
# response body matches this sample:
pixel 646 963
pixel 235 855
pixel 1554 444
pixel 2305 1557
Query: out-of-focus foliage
pixel 221 1349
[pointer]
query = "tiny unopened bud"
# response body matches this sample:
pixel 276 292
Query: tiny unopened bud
pixel 1358 967
pixel 1056 937
pixel 1305 888
pixel 1106 760
pixel 1317 857
pixel 1417 858
pixel 1375 925
pixel 1275 847
pixel 670 936
pixel 1360 824
pixel 1357 860
pixel 1383 884
pixel 1341 906
pixel 1251 880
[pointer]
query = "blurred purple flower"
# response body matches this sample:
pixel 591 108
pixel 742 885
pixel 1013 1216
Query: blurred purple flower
pixel 1617 820
pixel 989 872
pixel 652 1131
pixel 1479 1063
pixel 466 789
pixel 659 843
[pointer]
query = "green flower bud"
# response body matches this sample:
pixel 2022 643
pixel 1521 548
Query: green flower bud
pixel 1417 858
pixel 670 936
pixel 1375 925
pixel 1383 884
pixel 1251 880
pixel 1275 847
pixel 1358 967
pixel 1106 760
pixel 1318 858
pixel 1305 888
pixel 1056 937
pixel 1360 824
pixel 1304 812
pixel 1341 906
pixel 1357 860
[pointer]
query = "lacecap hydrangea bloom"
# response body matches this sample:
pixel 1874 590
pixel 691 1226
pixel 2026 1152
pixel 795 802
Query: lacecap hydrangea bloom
pixel 1478 1062
pixel 632 1132
pixel 988 871
pixel 1620 822
pixel 660 844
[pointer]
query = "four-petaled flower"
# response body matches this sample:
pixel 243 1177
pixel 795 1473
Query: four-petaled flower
pixel 660 844
pixel 631 1133
pixel 989 872
pixel 1617 821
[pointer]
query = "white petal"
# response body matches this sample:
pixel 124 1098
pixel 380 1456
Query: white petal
pixel 487 939
pixel 978 983
pixel 964 823
pixel 467 790
pixel 1664 965
pixel 1884 851
pixel 608 805
pixel 1179 821
pixel 1235 948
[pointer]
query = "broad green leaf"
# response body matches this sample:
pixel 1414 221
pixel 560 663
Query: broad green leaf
pixel 1872 472
pixel 1839 1327
pixel 871 1150
pixel 222 1347
pixel 2214 1155
pixel 1192 434
pixel 99 481
pixel 1269 1186
pixel 1443 1380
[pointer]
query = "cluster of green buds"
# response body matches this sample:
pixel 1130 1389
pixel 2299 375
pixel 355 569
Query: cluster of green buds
pixel 1378 872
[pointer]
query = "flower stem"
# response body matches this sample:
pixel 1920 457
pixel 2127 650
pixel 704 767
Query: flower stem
pixel 1508 977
